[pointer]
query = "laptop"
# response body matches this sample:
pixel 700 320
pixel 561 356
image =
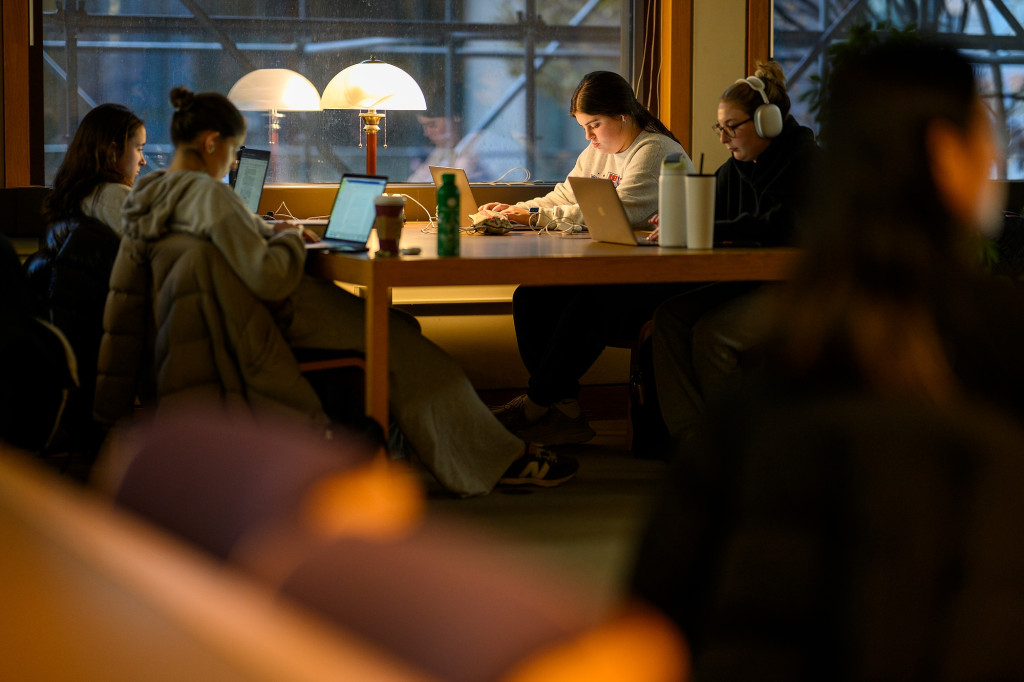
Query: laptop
pixel 353 213
pixel 250 176
pixel 467 204
pixel 604 213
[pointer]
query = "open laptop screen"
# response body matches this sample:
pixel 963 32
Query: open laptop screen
pixel 251 174
pixel 467 203
pixel 354 212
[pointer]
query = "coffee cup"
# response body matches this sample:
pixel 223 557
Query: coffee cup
pixel 388 223
pixel 700 211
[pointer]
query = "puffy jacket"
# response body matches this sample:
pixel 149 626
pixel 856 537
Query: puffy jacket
pixel 180 322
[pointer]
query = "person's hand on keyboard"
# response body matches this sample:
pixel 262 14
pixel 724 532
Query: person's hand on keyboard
pixel 656 232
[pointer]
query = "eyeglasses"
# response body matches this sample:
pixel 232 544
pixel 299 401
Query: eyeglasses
pixel 730 130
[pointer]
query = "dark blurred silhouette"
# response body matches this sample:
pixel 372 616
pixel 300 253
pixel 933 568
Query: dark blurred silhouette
pixel 856 514
pixel 38 365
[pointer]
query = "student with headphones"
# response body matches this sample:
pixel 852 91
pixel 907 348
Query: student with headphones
pixel 698 336
pixel 769 151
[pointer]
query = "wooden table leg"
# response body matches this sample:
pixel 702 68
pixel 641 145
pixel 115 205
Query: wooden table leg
pixel 378 301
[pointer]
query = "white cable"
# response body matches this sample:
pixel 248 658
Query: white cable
pixel 286 212
pixel 283 210
pixel 430 218
pixel 656 85
pixel 552 227
pixel 643 59
pixel 502 176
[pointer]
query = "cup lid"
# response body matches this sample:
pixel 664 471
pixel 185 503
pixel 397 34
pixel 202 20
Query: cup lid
pixel 389 200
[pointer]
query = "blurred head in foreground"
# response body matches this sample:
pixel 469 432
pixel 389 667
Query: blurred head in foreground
pixel 903 191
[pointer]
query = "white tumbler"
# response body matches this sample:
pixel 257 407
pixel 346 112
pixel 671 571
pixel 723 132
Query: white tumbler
pixel 700 211
pixel 672 200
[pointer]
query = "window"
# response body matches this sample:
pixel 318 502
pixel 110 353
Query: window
pixel 989 32
pixel 497 75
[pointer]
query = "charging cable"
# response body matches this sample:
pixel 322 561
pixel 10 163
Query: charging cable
pixel 515 168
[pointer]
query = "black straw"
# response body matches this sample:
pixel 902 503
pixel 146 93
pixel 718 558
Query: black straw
pixel 701 170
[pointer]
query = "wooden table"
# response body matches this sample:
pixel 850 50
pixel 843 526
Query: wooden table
pixel 525 258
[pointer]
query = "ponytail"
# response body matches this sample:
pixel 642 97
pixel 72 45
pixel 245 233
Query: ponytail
pixel 746 98
pixel 194 114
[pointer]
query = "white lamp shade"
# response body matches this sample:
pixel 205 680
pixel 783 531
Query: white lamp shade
pixel 373 85
pixel 281 89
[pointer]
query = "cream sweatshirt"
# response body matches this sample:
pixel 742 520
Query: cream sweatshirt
pixel 634 171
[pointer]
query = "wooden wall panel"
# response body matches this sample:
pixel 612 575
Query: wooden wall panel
pixel 677 69
pixel 759 32
pixel 22 94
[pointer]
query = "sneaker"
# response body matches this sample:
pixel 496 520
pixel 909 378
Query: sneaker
pixel 557 428
pixel 512 414
pixel 540 467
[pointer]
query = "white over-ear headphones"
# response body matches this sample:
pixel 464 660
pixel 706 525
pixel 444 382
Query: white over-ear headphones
pixel 768 116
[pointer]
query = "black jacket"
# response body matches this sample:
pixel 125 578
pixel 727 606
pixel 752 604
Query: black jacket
pixel 845 538
pixel 69 275
pixel 755 202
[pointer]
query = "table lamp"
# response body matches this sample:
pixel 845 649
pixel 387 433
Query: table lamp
pixel 373 85
pixel 274 91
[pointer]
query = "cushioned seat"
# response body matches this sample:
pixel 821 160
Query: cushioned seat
pixel 38 367
pixel 69 276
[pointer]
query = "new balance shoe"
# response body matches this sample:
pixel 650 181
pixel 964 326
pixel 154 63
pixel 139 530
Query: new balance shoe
pixel 540 467
pixel 557 428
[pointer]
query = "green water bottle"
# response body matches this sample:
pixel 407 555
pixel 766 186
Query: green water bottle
pixel 448 217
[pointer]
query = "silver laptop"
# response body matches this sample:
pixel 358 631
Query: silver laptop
pixel 353 213
pixel 604 213
pixel 467 204
pixel 250 176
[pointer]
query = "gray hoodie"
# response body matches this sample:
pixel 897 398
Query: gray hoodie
pixel 270 264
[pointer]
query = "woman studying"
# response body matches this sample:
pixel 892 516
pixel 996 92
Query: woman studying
pixel 99 168
pixel 70 272
pixel 561 331
pixel 698 336
pixel 626 145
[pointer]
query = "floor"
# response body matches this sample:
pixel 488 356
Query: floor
pixel 586 527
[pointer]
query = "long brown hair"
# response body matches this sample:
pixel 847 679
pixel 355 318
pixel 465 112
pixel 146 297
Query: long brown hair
pixel 91 160
pixel 605 93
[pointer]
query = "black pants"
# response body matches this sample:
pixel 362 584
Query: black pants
pixel 698 342
pixel 562 330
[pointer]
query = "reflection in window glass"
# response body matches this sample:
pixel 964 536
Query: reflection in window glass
pixel 470 57
pixel 988 31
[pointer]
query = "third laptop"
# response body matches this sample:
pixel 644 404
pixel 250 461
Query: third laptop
pixel 604 213
pixel 467 204
pixel 353 213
